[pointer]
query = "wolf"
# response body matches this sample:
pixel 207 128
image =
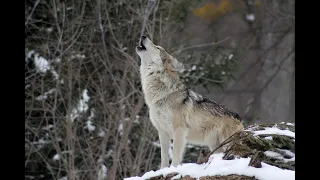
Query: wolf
pixel 177 112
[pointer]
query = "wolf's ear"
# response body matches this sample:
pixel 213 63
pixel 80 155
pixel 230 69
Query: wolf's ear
pixel 175 65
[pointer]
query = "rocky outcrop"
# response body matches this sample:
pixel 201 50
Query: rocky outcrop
pixel 273 144
pixel 268 147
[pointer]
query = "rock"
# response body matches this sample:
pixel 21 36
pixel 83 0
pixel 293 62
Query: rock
pixel 272 144
pixel 203 157
pixel 265 143
pixel 228 177
pixel 256 160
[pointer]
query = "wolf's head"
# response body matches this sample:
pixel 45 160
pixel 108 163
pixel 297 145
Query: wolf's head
pixel 156 57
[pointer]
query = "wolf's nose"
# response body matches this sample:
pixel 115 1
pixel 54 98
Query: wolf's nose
pixel 143 37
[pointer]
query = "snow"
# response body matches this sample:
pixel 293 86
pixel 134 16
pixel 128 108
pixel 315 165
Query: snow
pixel 269 138
pixel 41 143
pixel 275 130
pixel 291 159
pixel 45 95
pixel 127 119
pixel 120 129
pixel 57 60
pixel 29 177
pixel 85 95
pixel 279 156
pixel 48 127
pixel 79 56
pixel 178 176
pixel 218 166
pixel 56 157
pixel 194 67
pixel 102 172
pixel 101 133
pixel 250 17
pixel 91 113
pixel 290 124
pixel 30 53
pixel 82 105
pixel 109 153
pixel 230 56
pixel 89 126
pixel 64 178
pixel 273 154
pixel 42 65
pixel 49 30
pixel 289 153
pixel 54 73
pixel 156 144
pixel 190 146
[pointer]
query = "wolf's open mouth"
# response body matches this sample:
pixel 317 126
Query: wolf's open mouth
pixel 142 47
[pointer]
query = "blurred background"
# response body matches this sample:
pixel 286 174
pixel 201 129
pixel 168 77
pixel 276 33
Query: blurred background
pixel 85 116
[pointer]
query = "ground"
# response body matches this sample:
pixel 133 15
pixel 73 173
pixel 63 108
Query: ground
pixel 262 152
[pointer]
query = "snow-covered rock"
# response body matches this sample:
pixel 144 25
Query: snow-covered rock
pixel 263 152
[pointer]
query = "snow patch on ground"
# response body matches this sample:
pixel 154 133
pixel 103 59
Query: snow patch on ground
pixel 218 166
pixel 269 138
pixel 274 130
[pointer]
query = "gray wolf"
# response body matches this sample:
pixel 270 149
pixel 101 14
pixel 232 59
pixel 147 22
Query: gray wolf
pixel 176 111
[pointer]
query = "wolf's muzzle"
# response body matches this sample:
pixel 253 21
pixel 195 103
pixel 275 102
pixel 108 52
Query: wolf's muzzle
pixel 142 46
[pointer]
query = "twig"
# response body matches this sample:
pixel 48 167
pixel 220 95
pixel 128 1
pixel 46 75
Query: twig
pixel 146 15
pixel 200 45
pixel 34 7
pixel 259 61
pixel 130 94
pixel 224 143
pixel 278 69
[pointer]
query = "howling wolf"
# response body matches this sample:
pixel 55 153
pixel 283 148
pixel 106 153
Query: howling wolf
pixel 177 112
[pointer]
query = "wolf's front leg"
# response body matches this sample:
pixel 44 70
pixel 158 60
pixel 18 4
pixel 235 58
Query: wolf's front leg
pixel 164 143
pixel 179 143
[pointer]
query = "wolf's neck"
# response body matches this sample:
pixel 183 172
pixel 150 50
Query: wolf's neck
pixel 157 84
